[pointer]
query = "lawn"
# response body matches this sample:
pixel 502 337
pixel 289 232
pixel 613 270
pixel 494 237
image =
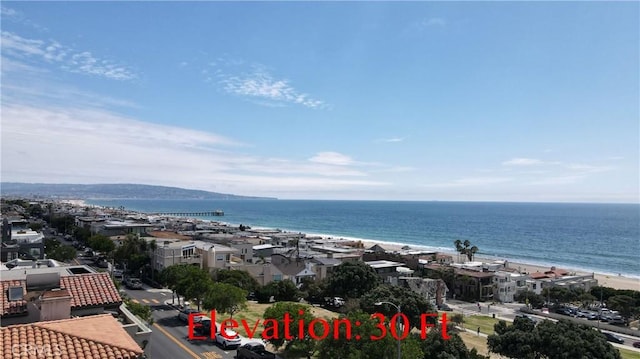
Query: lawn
pixel 485 323
pixel 629 354
pixel 255 311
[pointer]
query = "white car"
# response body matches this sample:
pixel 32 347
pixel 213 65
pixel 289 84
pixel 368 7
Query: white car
pixel 232 339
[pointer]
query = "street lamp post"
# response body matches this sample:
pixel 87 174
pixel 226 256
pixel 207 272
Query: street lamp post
pixel 397 324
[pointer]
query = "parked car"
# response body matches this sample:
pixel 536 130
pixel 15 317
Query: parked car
pixel 133 283
pixel 184 314
pixel 613 338
pixel 445 307
pixel 118 273
pixel 564 311
pixel 524 316
pixel 616 319
pixel 232 338
pixel 254 350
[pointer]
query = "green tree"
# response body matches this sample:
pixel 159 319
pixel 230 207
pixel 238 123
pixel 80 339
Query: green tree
pixel 436 347
pixel 35 210
pixel 364 341
pixel 352 280
pixel 225 298
pixel 142 311
pixel 285 291
pixel 35 226
pixel 623 304
pixel 313 291
pixel 188 281
pixel 101 243
pixel 264 293
pixel 54 250
pixel 81 234
pixel 239 278
pixel 465 248
pixel 533 299
pixel 412 304
pixel 552 340
pixel 133 254
pixel 276 317
pixel 64 224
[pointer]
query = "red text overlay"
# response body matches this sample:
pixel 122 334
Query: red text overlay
pixel 397 326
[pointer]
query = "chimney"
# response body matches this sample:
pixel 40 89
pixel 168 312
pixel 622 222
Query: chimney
pixel 55 304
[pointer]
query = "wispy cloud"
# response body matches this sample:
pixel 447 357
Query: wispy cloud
pixel 52 52
pixel 557 180
pixel 257 83
pixel 391 139
pixel 18 17
pixel 424 24
pixel 472 182
pixel 100 146
pixel 523 162
pixel 434 21
pixel 332 158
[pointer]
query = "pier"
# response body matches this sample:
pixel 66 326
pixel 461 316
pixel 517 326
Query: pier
pixel 217 212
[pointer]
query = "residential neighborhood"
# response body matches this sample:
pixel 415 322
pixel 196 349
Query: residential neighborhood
pixel 93 287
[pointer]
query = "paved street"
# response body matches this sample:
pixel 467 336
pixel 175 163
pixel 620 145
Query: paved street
pixel 170 335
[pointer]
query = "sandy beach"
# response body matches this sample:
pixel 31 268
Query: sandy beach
pixel 607 280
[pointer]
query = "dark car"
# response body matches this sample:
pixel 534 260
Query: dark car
pixel 636 344
pixel 254 351
pixel 445 307
pixel 564 311
pixel 613 338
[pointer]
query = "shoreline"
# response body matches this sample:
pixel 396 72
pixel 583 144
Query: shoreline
pixel 604 279
pixel 613 280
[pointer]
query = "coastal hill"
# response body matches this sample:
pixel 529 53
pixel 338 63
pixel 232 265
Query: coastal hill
pixel 109 191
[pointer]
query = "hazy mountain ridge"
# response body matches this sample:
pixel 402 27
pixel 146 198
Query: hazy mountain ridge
pixel 109 191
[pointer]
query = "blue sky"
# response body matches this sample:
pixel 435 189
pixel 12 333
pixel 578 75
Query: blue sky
pixel 492 101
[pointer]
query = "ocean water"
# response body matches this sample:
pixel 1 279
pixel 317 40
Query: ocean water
pixel 602 238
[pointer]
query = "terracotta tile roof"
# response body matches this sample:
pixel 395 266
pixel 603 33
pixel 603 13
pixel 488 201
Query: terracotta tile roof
pixel 96 336
pixel 12 307
pixel 88 290
pixel 538 275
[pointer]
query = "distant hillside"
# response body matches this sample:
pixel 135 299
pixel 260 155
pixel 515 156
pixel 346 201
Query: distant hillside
pixel 109 191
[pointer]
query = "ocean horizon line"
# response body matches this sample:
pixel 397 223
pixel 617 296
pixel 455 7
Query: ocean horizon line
pixel 571 236
pixel 351 200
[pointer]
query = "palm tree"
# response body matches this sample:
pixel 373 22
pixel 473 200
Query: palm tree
pixel 153 246
pixel 465 248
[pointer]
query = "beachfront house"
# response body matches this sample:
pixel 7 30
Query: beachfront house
pixel 554 277
pixel 471 283
pixel 507 285
pixel 390 271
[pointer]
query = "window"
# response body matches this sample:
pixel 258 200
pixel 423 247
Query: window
pixel 187 253
pixel 15 293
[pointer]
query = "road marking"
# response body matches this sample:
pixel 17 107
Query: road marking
pixel 135 301
pixel 155 301
pixel 146 301
pixel 211 355
pixel 163 294
pixel 175 340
